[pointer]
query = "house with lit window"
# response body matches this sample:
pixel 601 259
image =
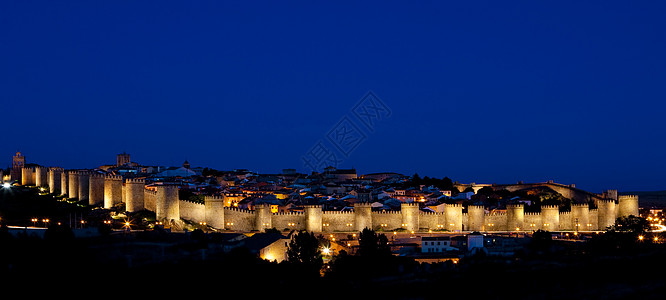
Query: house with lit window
pixel 436 244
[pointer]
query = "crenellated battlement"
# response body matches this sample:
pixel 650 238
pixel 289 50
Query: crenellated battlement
pixel 213 197
pixel 605 202
pixel 335 212
pixel 628 197
pixel 387 212
pixel 292 213
pixel 410 217
pixel 135 180
pixel 183 200
pixel 113 177
pixel 496 214
pixel 231 208
pixel 549 207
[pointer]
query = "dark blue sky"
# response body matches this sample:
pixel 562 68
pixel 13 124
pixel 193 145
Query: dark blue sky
pixel 479 92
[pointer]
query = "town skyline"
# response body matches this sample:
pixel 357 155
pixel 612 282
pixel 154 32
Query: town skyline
pixel 175 162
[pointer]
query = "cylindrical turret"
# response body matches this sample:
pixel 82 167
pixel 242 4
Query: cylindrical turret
pixel 606 213
pixel 410 216
pixel 515 217
pixel 214 206
pixel 263 217
pixel 167 206
pixel 134 194
pixel 27 176
pixel 96 189
pixel 627 206
pixel 362 216
pixel 64 183
pixel 476 217
pixel 313 218
pixel 454 221
pixel 550 217
pixel 73 190
pixel 54 180
pixel 113 189
pixel 41 178
pixel 84 185
pixel 580 217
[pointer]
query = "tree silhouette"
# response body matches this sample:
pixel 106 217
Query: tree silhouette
pixel 371 244
pixel 304 250
pixel 631 224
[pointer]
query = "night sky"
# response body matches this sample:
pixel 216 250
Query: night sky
pixel 483 92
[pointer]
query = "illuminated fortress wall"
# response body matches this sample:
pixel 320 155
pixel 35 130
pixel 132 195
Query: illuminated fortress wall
pixel 580 218
pixel 110 190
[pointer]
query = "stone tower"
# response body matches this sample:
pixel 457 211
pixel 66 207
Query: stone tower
pixel 454 220
pixel 96 192
pixel 214 211
pixel 113 189
pixel 410 216
pixel 362 216
pixel 476 216
pixel 41 178
pixel 122 159
pixel 166 206
pixel 27 176
pixel 580 216
pixel 134 194
pixel 73 189
pixel 84 186
pixel 313 218
pixel 64 183
pixel 54 180
pixel 606 213
pixel 18 162
pixel 515 217
pixel 610 195
pixel 263 217
pixel 627 205
pixel 550 217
